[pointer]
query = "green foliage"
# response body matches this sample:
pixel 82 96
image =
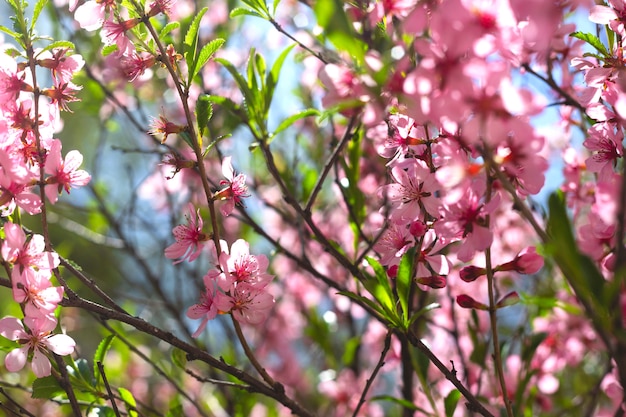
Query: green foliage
pixel 592 40
pixel 46 388
pixel 196 60
pixel 332 17
pixel 204 112
pixel 580 271
pixel 257 88
pixel 129 400
pixel 450 402
pixel 99 355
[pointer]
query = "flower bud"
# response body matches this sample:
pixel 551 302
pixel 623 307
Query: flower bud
pixel 527 262
pixel 471 273
pixel 435 281
pixel 466 301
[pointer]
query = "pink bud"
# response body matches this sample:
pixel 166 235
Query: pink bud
pixel 527 262
pixel 418 229
pixel 436 281
pixel 392 271
pixel 471 273
pixel 466 301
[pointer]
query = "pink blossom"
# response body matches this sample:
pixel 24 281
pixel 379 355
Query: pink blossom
pixel 190 238
pixel 206 309
pixel 605 140
pixel 12 81
pixel 114 33
pixel 413 193
pixel 38 340
pixel 241 267
pixel 465 220
pixel 235 188
pixel 24 254
pixel 34 289
pixel 90 15
pixel 393 243
pixel 62 65
pixel 246 303
pixel 63 175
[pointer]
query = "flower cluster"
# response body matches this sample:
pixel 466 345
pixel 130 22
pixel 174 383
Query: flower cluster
pixel 238 287
pixel 31 268
pixel 31 166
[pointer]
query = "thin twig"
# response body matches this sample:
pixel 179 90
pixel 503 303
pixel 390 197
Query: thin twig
pixel 329 164
pixel 64 381
pixel 377 368
pixel 158 369
pixel 21 409
pixel 252 358
pixel 108 388
pixel 473 402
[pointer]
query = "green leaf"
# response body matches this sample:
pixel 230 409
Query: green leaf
pixel 381 290
pixel 36 12
pixel 191 44
pixel 403 282
pixel 58 45
pixel 85 372
pixel 364 300
pixel 294 118
pixel 278 65
pixel 108 50
pixel 14 35
pixel 451 401
pixel 47 388
pixel 101 351
pixel 259 6
pixel 179 358
pixel 350 350
pixel 185 136
pixel 206 53
pixel 129 400
pixel 168 28
pixel 227 104
pixel 248 95
pixel 204 112
pixel 240 11
pixel 275 4
pixel 422 311
pixel 592 40
pixel 175 411
pixel 579 270
pixel 337 28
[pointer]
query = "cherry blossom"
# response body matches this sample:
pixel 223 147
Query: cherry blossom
pixel 235 188
pixel 190 239
pixel 63 174
pixel 38 340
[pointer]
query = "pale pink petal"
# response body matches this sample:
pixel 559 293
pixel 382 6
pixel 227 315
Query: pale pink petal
pixel 602 14
pixel 41 364
pixel 61 344
pixel 12 328
pixel 16 359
